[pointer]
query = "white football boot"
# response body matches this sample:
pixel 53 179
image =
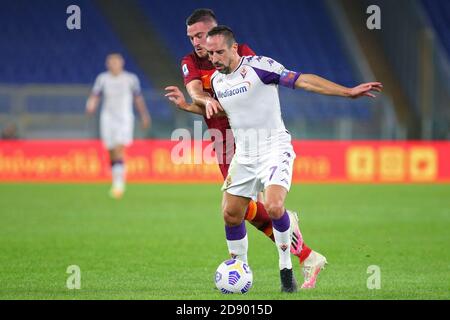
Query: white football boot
pixel 311 268
pixel 296 236
pixel 116 192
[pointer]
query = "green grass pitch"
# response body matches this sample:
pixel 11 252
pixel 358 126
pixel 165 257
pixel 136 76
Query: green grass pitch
pixel 165 242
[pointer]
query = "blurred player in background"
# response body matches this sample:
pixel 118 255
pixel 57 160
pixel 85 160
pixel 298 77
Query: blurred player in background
pixel 119 89
pixel 197 71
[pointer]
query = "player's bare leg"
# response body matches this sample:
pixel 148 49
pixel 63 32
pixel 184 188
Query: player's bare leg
pixel 274 202
pixel 233 208
pixel 118 171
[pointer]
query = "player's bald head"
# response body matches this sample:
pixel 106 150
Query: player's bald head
pixel 225 32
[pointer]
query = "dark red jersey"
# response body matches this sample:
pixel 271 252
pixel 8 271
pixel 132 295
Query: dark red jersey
pixel 195 68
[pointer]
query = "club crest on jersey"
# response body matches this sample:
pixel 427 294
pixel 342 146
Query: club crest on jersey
pixel 185 70
pixel 243 72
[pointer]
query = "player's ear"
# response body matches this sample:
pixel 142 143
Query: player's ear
pixel 235 46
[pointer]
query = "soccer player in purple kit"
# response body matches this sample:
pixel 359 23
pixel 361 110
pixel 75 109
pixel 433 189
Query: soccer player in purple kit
pixel 247 89
pixel 197 71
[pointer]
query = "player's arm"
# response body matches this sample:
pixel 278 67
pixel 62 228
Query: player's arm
pixel 94 98
pixel 203 99
pixel 141 107
pixel 139 102
pixel 211 106
pixel 175 95
pixel 92 103
pixel 194 87
pixel 314 83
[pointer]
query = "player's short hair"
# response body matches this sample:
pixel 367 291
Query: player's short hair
pixel 224 31
pixel 201 15
pixel 114 55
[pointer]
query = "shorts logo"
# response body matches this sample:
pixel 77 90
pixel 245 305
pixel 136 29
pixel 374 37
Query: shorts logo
pixel 185 70
pixel 228 181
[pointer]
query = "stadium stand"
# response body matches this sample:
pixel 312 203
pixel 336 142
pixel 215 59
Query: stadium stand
pixel 439 13
pixel 303 39
pixel 38 48
pixel 40 52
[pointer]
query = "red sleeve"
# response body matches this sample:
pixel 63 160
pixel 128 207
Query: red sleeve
pixel 189 70
pixel 246 51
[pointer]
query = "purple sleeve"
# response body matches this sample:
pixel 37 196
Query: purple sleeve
pixel 286 78
pixel 267 77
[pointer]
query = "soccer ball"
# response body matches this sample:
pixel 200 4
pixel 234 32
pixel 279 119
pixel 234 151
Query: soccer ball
pixel 233 276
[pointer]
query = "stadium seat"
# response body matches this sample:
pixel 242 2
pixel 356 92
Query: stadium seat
pixel 38 48
pixel 439 13
pixel 303 39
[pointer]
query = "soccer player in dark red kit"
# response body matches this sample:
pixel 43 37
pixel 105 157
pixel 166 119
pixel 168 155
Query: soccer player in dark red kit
pixel 197 71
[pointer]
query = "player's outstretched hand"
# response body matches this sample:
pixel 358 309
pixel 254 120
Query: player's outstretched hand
pixel 365 90
pixel 212 107
pixel 177 97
